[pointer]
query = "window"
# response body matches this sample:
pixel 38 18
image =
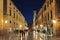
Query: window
pixel 58 8
pixel 58 3
pixel 14 15
pixel 45 18
pixel 10 3
pixel 20 14
pixel 16 10
pixel 42 16
pixel 47 3
pixel 10 12
pixel 14 22
pixel 44 7
pixel 48 16
pixel 5 7
pixel 10 21
pixel 51 1
pixel 51 14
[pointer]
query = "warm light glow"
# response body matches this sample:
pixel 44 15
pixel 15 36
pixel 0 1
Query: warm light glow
pixel 54 21
pixel 41 25
pixel 5 21
pixel 20 26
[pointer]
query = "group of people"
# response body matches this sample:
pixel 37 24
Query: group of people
pixel 21 31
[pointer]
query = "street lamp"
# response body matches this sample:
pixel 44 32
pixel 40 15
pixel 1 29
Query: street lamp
pixel 6 21
pixel 20 27
pixel 54 21
pixel 41 25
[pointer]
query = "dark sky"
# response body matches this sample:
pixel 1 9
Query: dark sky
pixel 27 6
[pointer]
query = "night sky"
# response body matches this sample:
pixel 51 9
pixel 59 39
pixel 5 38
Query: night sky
pixel 27 6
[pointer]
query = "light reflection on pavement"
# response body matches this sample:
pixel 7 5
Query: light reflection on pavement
pixel 28 36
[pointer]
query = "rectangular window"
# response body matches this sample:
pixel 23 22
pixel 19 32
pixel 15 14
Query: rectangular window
pixel 10 21
pixel 47 3
pixel 42 16
pixel 45 18
pixel 51 14
pixel 10 3
pixel 58 3
pixel 10 12
pixel 58 8
pixel 51 1
pixel 44 7
pixel 14 15
pixel 48 16
pixel 16 10
pixel 5 7
pixel 14 22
